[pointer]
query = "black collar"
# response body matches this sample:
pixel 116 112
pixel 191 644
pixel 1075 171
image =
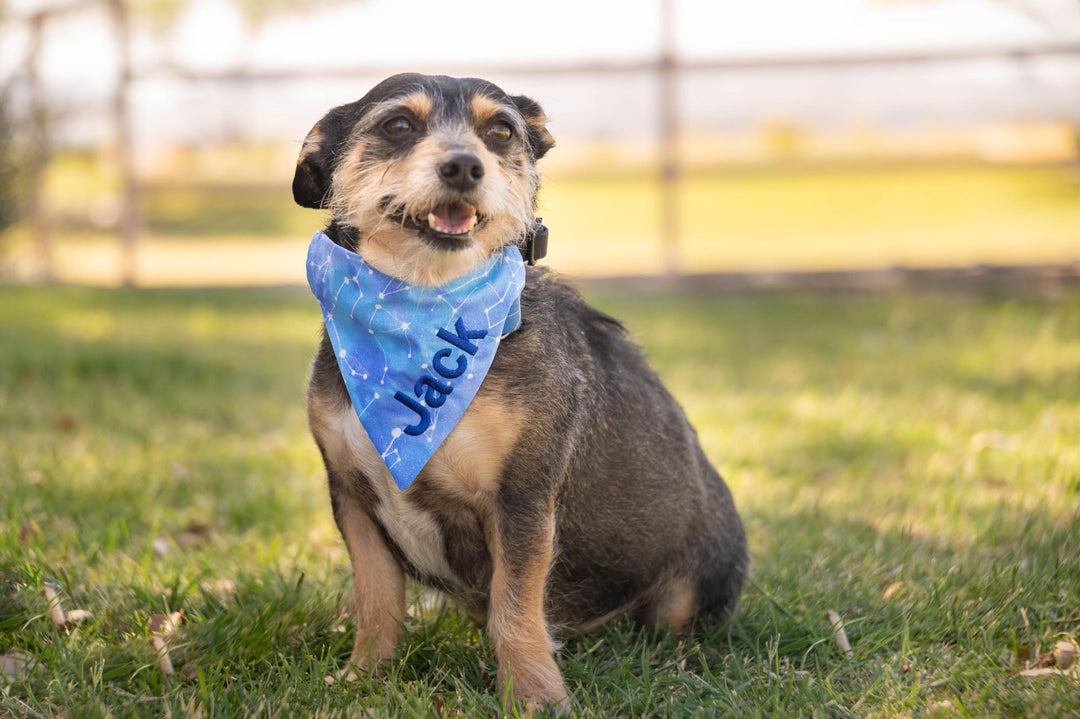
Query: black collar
pixel 534 244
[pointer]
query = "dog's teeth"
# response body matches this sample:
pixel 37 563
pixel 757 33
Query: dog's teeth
pixel 433 222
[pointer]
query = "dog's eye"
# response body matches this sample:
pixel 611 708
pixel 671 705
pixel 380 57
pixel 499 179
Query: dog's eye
pixel 397 126
pixel 499 132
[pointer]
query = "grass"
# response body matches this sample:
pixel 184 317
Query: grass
pixel 811 220
pixel 908 461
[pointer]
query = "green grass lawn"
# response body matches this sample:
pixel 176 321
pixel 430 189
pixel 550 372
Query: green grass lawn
pixel 911 462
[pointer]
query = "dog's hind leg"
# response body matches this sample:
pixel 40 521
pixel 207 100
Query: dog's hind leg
pixel 378 587
pixel 522 546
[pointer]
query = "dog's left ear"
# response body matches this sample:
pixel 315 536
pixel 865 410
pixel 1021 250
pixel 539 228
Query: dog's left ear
pixel 311 183
pixel 540 140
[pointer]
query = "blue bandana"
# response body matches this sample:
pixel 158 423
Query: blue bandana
pixel 412 357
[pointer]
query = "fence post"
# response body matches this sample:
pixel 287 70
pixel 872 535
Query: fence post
pixel 669 142
pixel 38 153
pixel 128 220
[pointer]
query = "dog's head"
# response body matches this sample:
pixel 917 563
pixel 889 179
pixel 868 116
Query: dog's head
pixel 434 173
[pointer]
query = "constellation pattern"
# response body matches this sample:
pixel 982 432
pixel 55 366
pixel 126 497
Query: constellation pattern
pixel 384 334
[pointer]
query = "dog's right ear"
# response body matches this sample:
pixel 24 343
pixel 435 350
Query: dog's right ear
pixel 540 140
pixel 311 183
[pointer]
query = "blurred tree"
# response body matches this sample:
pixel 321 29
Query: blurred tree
pixel 9 195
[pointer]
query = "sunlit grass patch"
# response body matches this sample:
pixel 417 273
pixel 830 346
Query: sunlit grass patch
pixel 908 461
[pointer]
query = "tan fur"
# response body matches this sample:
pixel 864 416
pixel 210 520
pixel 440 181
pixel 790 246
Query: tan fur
pixel 484 108
pixel 517 625
pixel 677 605
pixel 347 447
pixel 378 591
pixel 470 461
pixel 312 143
pixel 419 103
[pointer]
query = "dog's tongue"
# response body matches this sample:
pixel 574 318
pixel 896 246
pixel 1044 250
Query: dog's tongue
pixel 452 219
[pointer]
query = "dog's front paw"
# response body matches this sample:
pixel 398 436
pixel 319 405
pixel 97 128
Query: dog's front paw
pixel 539 694
pixel 355 669
pixel 550 707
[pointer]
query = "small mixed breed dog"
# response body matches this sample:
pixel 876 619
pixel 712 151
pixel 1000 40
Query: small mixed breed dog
pixel 568 487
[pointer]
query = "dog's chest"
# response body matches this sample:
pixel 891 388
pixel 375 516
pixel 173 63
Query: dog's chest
pixel 466 469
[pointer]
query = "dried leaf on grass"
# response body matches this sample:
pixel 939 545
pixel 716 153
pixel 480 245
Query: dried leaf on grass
pixel 895 589
pixel 56 607
pixel 1059 662
pixel 28 531
pixel 839 635
pixel 59 616
pixel 196 534
pixel 78 616
pixel 16 666
pixel 162 628
pixel 1065 653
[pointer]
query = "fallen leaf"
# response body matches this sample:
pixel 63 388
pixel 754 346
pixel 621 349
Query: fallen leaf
pixel 895 589
pixel 189 540
pixel 1065 653
pixel 839 635
pixel 56 609
pixel 16 666
pixel 1042 672
pixel 29 530
pixel 198 526
pixel 65 421
pixel 78 616
pixel 161 649
pixel 161 547
pixel 163 626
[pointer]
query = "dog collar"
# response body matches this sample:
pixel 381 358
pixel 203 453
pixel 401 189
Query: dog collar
pixel 412 358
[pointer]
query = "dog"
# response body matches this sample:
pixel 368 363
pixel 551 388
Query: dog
pixel 573 489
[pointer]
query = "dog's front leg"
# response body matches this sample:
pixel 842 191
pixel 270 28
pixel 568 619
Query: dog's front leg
pixel 378 587
pixel 522 544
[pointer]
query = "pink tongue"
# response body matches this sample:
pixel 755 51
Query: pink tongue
pixel 455 218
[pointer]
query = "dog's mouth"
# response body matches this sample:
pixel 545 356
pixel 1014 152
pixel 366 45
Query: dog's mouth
pixel 454 219
pixel 448 226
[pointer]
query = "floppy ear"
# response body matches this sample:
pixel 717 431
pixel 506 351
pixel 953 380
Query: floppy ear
pixel 311 183
pixel 540 140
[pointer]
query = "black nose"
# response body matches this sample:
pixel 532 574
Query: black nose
pixel 462 171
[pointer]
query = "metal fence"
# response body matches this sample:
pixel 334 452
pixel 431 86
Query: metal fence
pixel 667 68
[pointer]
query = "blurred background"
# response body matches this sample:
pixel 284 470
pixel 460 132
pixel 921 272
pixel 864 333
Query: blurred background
pixel 152 142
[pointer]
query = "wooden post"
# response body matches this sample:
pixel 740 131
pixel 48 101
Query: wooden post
pixel 669 142
pixel 128 221
pixel 38 154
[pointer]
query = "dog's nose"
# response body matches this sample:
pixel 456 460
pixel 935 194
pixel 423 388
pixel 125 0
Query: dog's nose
pixel 462 171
